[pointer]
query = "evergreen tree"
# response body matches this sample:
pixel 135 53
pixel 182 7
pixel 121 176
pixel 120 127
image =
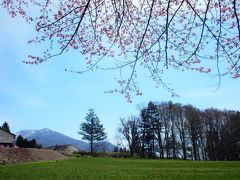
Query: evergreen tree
pixel 92 130
pixel 5 127
pixel 20 141
pixel 149 116
pixel 24 143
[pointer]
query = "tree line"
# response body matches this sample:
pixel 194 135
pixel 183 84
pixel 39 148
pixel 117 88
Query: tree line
pixel 25 143
pixel 176 131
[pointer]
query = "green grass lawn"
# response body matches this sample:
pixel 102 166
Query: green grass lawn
pixel 109 168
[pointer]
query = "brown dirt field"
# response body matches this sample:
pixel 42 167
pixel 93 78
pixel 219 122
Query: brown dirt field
pixel 20 155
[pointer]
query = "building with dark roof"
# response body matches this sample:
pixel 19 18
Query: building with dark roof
pixel 6 138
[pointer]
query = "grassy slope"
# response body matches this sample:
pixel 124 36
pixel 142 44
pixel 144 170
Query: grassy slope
pixel 100 168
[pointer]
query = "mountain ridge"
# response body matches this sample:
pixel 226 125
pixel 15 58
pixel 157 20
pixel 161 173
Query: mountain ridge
pixel 47 137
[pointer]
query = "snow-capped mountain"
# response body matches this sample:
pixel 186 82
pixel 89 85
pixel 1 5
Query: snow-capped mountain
pixel 47 137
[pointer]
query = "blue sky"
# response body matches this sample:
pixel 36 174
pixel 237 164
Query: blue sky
pixel 45 96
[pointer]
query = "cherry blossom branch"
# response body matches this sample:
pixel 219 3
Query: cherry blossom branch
pixel 236 16
pixel 166 40
pixel 140 45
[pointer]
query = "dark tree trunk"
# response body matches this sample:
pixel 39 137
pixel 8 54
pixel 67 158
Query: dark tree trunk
pixel 91 143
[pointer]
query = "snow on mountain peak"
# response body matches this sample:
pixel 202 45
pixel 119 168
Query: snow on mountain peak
pixel 45 130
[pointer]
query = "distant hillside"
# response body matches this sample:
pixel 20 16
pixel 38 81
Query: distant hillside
pixel 47 137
